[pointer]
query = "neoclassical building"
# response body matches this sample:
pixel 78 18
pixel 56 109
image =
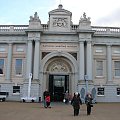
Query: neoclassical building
pixel 61 57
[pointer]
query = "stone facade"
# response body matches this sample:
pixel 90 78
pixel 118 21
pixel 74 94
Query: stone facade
pixel 88 57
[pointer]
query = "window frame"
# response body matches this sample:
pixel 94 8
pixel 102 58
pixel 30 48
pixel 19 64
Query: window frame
pixel 21 67
pixel 20 48
pixel 116 69
pixel 96 68
pixel 3 66
pixel 2 49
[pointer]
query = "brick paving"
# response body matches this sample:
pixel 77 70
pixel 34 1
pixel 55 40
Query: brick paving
pixel 59 111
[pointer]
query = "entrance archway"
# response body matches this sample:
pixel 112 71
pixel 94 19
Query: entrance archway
pixel 58 65
pixel 58 83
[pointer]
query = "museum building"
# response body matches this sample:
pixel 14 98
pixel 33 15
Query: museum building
pixel 61 57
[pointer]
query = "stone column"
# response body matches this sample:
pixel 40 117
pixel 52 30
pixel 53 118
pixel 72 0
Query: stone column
pixel 29 58
pixel 9 62
pixel 36 60
pixel 89 60
pixel 81 60
pixel 109 63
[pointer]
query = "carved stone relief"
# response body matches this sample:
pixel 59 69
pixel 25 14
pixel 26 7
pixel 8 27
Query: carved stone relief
pixel 58 66
pixel 59 22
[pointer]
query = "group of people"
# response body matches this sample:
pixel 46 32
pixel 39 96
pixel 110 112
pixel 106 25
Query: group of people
pixel 76 101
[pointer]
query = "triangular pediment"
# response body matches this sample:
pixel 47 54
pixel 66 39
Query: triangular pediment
pixel 60 11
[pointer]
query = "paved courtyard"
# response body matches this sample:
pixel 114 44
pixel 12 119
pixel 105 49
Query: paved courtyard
pixel 59 111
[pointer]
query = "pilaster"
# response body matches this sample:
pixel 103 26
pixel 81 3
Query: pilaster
pixel 29 58
pixel 89 60
pixel 36 60
pixel 9 62
pixel 109 63
pixel 81 61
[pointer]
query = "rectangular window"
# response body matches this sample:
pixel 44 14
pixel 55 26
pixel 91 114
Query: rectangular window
pixel 116 50
pixel 100 91
pixel 99 50
pixel 117 68
pixel 99 68
pixel 18 67
pixel 16 89
pixel 1 66
pixel 20 48
pixel 2 49
pixel 118 91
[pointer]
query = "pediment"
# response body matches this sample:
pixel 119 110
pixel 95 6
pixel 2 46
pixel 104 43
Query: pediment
pixel 60 11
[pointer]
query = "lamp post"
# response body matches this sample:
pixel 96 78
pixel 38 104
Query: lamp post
pixel 86 82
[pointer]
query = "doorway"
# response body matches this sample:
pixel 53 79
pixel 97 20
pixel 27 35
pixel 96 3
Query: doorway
pixel 58 85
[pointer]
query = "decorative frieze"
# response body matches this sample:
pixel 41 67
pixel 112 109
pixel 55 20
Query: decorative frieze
pixel 59 46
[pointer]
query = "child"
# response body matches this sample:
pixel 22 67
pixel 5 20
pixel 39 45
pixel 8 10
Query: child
pixel 47 99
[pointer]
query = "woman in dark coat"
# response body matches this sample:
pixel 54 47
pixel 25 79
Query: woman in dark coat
pixel 76 102
pixel 88 101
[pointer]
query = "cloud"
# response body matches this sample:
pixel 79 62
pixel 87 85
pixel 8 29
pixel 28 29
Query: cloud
pixel 101 12
pixel 112 19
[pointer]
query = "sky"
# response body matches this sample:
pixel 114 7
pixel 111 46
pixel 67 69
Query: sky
pixel 102 12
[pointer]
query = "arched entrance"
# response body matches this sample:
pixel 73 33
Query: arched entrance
pixel 58 78
pixel 58 74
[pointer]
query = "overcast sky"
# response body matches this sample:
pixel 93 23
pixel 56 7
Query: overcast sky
pixel 102 12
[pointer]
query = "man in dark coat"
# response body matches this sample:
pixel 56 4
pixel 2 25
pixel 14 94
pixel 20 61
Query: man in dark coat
pixel 88 101
pixel 76 102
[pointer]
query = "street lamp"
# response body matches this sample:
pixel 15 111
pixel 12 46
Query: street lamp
pixel 86 82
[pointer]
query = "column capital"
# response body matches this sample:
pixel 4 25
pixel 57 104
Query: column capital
pixel 29 41
pixel 10 43
pixel 81 42
pixel 37 40
pixel 89 42
pixel 109 44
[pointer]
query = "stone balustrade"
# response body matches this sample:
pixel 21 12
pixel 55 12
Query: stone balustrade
pixel 7 28
pixel 106 30
pixel 97 29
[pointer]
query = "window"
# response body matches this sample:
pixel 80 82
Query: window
pixel 116 50
pixel 16 89
pixel 99 68
pixel 118 91
pixel 100 91
pixel 20 48
pixel 117 68
pixel 18 67
pixel 2 49
pixel 1 66
pixel 99 50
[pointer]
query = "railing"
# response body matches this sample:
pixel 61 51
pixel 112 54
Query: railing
pixel 45 27
pixel 9 28
pixel 97 29
pixel 106 30
pixel 74 27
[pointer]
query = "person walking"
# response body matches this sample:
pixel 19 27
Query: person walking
pixel 76 102
pixel 47 99
pixel 45 94
pixel 66 97
pixel 88 101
